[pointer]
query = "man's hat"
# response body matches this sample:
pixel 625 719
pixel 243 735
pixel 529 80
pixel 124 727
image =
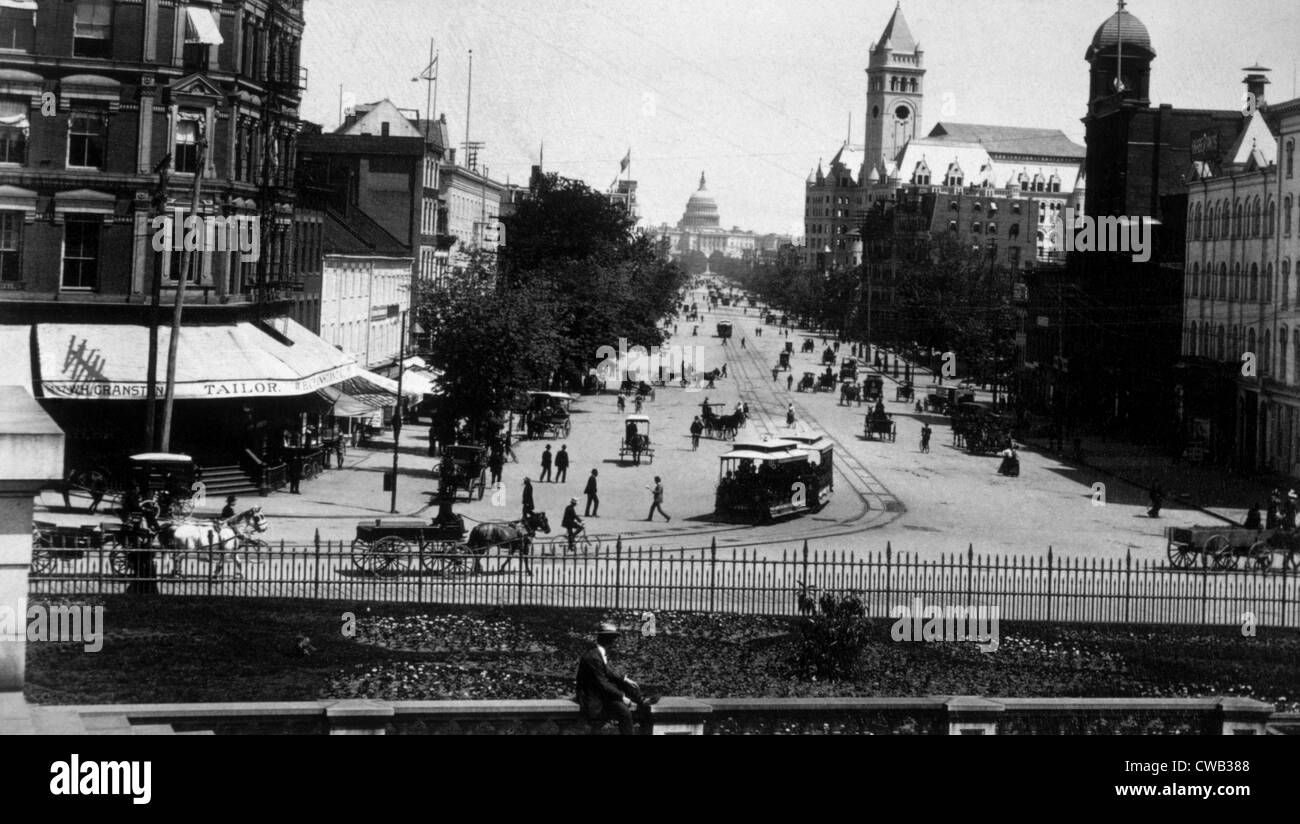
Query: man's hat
pixel 573 500
pixel 230 499
pixel 1291 495
pixel 607 628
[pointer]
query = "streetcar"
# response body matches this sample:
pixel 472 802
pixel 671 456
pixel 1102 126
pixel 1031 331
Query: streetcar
pixel 768 479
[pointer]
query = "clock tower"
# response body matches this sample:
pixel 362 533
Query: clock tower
pixel 895 77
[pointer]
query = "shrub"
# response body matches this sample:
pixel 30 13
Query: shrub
pixel 831 641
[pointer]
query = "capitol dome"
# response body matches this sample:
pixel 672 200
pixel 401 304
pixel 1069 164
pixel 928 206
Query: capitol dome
pixel 1122 28
pixel 701 210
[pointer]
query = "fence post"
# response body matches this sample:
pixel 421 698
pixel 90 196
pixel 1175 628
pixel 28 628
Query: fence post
pixel 970 572
pixel 1128 582
pixel 1205 592
pixel 713 570
pixel 618 577
pixel 316 570
pixel 1049 583
pixel 804 568
pixel 889 575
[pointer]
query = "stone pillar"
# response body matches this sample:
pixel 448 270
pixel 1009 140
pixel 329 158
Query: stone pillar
pixel 31 455
pixel 679 716
pixel 972 715
pixel 1244 716
pixel 359 717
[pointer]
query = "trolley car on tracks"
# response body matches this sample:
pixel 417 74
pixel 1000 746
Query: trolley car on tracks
pixel 772 478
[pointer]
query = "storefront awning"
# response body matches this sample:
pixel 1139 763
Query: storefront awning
pixel 278 358
pixel 417 380
pixel 201 27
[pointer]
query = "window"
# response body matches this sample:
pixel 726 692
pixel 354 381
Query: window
pixel 1254 282
pixel 975 228
pixel 1270 222
pixel 1195 281
pixel 81 252
pixel 1286 216
pixel 14 127
pixel 1225 223
pixel 953 206
pixel 18 27
pixel 202 36
pixel 11 246
pixel 1238 220
pixel 1015 208
pixel 992 229
pixel 1013 231
pixel 1281 354
pixel 1255 218
pixel 1290 158
pixel 1196 223
pixel 1191 339
pixel 86 129
pixel 92 29
pixel 185 154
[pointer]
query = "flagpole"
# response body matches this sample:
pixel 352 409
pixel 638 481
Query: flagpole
pixel 428 95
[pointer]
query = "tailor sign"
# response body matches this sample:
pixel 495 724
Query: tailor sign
pixel 118 390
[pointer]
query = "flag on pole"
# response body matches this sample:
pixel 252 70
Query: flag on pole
pixel 431 72
pixel 625 162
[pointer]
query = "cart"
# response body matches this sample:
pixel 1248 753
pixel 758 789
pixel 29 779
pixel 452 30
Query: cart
pixel 784 361
pixel 873 388
pixel 548 415
pixel 807 383
pixel 1222 547
pixel 168 477
pixel 392 547
pixel 825 382
pixel 464 469
pixel 724 329
pixel 849 369
pixel 54 545
pixel 880 427
pixel 789 347
pixel 636 439
pixel 903 392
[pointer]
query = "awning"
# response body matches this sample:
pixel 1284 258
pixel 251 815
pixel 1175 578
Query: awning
pixel 417 380
pixel 16 365
pixel 201 27
pixel 387 386
pixel 21 5
pixel 276 359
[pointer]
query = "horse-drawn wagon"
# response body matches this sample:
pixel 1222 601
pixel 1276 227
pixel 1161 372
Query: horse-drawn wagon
pixel 547 415
pixel 849 369
pixel 873 388
pixel 388 547
pixel 783 361
pixel 903 392
pixel 636 439
pixel 53 545
pixel 880 426
pixel 724 329
pixel 1224 547
pixel 464 469
pixel 825 381
pixel 806 383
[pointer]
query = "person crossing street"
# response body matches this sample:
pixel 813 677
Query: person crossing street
pixel 657 503
pixel 545 477
pixel 593 500
pixel 562 464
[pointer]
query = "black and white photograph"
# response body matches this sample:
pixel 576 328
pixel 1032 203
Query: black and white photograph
pixel 600 367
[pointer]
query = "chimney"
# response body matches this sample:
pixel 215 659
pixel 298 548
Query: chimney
pixel 1255 81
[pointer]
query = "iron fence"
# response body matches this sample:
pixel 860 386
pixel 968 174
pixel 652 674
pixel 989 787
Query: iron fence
pixel 747 581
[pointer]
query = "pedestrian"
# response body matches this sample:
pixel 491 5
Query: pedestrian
pixel 604 694
pixel 1157 496
pixel 562 464
pixel 510 449
pixel 98 487
pixel 724 370
pixel 545 477
pixel 593 500
pixel 657 502
pixel 622 403
pixel 926 432
pixel 339 451
pixel 528 497
pixel 496 462
pixel 776 370
pixel 1271 517
pixel 742 342
pixel 697 428
pixel 295 474
pixel 1289 514
pixel 789 381
pixel 1253 517
pixel 228 511
pixel 433 440
pixel 789 415
pixel 637 403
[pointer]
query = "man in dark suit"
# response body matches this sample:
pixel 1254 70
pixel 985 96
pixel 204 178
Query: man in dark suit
pixel 604 694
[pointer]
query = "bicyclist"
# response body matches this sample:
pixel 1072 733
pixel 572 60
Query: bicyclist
pixel 571 522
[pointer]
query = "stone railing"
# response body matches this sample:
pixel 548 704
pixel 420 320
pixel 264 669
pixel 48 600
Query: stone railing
pixel 938 715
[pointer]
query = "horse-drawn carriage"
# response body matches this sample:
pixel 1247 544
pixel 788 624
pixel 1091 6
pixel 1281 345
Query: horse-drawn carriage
pixel 389 547
pixel 1223 547
pixel 873 388
pixel 903 392
pixel 850 393
pixel 979 429
pixel 721 426
pixel 724 329
pixel 783 361
pixel 944 399
pixel 638 389
pixel 772 478
pixel 636 439
pixel 547 415
pixel 825 381
pixel 880 425
pixel 789 347
pixel 806 383
pixel 168 478
pixel 828 357
pixel 464 469
pixel 53 545
pixel 809 345
pixel 849 369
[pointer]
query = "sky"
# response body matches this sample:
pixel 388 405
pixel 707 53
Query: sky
pixel 751 93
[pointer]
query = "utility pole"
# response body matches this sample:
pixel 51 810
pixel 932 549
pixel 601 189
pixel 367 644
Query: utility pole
pixel 187 261
pixel 397 410
pixel 163 170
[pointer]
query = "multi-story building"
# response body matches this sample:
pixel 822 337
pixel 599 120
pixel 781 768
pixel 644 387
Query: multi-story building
pixel 94 96
pixel 473 210
pixel 700 231
pixel 1241 296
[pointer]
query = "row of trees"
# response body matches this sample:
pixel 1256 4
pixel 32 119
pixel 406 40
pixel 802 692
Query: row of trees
pixel 948 298
pixel 574 276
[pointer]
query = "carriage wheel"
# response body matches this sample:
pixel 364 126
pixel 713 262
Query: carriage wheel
pixel 362 558
pixel 1261 555
pixel 1218 553
pixel 455 559
pixel 392 555
pixel 43 561
pixel 1292 558
pixel 1182 556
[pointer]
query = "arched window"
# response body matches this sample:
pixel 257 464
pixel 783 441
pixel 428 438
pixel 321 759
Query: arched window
pixel 1038 183
pixel 1250 340
pixel 952 225
pixel 1013 231
pixel 1225 219
pixel 1286 216
pixel 992 229
pixel 975 228
pixel 1191 339
pixel 1222 291
pixel 1238 220
pixel 976 207
pixel 1196 223
pixel 1222 344
pixel 1290 158
pixel 1270 222
pixel 953 205
pixel 1285 273
pixel 911 84
pixel 1054 183
pixel 1264 362
pixel 1196 277
pixel 1254 281
pixel 1268 283
pixel 1255 217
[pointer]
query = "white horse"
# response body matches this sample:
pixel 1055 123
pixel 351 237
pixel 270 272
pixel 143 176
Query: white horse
pixel 219 538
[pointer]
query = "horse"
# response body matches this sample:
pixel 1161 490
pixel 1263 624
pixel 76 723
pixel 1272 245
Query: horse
pixel 218 537
pixel 515 536
pixel 849 393
pixel 728 425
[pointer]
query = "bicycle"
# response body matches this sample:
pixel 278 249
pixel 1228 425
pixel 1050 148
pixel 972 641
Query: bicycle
pixel 583 544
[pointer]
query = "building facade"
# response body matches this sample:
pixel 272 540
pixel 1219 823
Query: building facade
pixel 473 204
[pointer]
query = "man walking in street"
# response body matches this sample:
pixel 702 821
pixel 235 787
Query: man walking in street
pixel 545 477
pixel 295 474
pixel 789 416
pixel 926 432
pixel 528 498
pixel 789 381
pixel 496 462
pixel 697 428
pixel 657 503
pixel 562 464
pixel 593 500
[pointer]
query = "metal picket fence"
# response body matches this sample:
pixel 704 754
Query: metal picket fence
pixel 748 581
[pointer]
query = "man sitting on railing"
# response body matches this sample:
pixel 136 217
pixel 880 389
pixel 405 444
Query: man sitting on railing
pixel 604 694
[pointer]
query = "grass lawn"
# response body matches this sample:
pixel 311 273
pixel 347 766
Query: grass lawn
pixel 215 649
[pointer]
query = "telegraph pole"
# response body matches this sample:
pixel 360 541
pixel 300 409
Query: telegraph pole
pixel 163 170
pixel 187 261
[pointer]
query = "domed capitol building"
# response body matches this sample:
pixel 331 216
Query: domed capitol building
pixel 700 230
